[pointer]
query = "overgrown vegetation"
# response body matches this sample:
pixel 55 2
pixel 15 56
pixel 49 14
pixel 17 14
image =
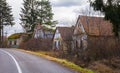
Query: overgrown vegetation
pixel 99 49
pixel 61 61
pixel 105 48
pixel 37 44
pixel 97 56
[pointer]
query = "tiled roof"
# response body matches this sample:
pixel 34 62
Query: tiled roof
pixel 66 32
pixel 96 26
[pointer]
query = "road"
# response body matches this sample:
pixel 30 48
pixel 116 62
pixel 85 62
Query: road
pixel 15 61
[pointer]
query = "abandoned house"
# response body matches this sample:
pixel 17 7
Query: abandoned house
pixel 15 40
pixel 94 32
pixel 62 36
pixel 42 32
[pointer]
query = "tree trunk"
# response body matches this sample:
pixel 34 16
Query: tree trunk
pixel 0 33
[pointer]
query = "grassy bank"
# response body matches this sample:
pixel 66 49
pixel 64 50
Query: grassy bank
pixel 61 61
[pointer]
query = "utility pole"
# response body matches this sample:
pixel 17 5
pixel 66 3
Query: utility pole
pixel 0 35
pixel 6 39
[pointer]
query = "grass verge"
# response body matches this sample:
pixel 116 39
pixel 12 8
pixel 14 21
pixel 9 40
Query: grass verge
pixel 61 61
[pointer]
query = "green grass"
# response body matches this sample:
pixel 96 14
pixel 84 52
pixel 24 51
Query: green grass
pixel 61 61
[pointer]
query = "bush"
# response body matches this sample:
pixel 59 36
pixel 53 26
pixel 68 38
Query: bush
pixel 37 44
pixel 103 47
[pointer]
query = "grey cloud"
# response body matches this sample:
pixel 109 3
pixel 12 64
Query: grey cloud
pixel 66 22
pixel 68 3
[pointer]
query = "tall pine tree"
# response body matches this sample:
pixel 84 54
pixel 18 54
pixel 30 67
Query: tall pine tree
pixel 6 18
pixel 34 12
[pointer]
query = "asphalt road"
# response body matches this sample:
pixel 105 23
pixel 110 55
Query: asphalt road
pixel 15 61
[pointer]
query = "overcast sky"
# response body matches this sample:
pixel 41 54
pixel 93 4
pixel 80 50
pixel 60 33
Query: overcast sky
pixel 65 12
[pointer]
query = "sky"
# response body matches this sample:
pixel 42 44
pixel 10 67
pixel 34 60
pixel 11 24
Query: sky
pixel 65 12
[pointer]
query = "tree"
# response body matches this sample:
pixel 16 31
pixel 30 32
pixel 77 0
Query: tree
pixel 111 10
pixel 6 18
pixel 35 12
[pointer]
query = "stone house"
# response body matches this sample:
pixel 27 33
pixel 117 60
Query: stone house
pixel 62 36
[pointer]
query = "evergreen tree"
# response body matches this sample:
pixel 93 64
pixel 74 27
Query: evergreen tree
pixel 34 12
pixel 6 18
pixel 28 15
pixel 45 10
pixel 111 10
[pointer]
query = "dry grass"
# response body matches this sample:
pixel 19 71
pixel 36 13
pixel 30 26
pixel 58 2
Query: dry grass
pixel 61 61
pixel 101 68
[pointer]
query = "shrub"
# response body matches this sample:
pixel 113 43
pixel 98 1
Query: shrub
pixel 37 44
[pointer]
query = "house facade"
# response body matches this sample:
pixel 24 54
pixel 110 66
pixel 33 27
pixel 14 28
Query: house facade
pixel 42 32
pixel 62 36
pixel 79 37
pixel 93 32
pixel 57 39
pixel 15 40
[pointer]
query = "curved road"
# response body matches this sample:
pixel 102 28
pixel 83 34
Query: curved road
pixel 15 61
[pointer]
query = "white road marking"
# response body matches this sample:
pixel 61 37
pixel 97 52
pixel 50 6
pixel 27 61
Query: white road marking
pixel 17 65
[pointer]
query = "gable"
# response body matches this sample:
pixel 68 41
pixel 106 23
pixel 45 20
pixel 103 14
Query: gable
pixel 57 35
pixel 41 31
pixel 38 33
pixel 66 33
pixel 96 26
pixel 79 29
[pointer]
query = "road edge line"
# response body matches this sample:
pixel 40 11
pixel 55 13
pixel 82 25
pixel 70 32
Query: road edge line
pixel 17 64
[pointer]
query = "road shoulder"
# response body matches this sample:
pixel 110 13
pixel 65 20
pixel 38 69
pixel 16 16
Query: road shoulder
pixel 60 61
